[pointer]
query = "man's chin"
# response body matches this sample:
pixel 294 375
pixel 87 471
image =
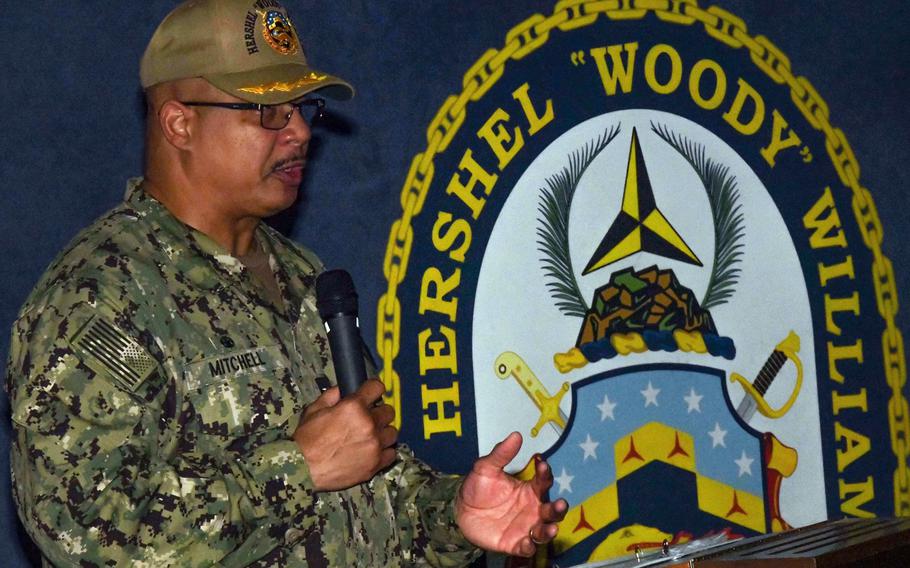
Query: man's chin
pixel 280 200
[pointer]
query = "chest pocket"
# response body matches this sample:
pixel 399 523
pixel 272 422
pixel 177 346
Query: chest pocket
pixel 241 393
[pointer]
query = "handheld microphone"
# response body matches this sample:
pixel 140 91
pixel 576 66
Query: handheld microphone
pixel 336 301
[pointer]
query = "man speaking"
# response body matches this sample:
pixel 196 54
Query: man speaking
pixel 168 374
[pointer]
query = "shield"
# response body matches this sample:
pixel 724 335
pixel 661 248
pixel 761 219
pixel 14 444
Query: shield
pixel 653 453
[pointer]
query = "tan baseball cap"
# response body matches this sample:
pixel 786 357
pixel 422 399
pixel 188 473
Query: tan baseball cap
pixel 247 48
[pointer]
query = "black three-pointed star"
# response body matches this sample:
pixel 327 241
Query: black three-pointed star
pixel 640 226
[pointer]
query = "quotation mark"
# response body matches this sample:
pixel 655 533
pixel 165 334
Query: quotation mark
pixel 578 58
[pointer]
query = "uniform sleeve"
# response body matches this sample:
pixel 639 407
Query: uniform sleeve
pixel 98 473
pixel 425 501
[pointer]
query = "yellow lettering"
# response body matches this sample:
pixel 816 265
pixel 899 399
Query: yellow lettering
pixel 466 192
pixel 778 143
pixel 855 446
pixel 442 354
pixel 535 121
pixel 834 305
pixel 621 71
pixel 862 494
pixel 444 242
pixel 675 69
pixel 734 115
pixel 433 283
pixel 497 137
pixel 847 401
pixel 438 399
pixel 840 352
pixel 845 268
pixel 720 84
pixel 821 236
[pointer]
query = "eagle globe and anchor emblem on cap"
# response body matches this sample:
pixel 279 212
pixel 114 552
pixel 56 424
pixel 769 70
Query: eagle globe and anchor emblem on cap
pixel 642 259
pixel 279 32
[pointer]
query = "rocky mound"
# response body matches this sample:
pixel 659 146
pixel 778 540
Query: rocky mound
pixel 649 300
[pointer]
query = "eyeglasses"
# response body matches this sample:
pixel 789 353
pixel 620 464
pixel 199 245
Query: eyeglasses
pixel 274 117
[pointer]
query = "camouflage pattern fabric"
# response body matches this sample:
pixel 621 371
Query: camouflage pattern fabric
pixel 154 392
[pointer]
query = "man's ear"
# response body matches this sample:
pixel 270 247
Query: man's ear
pixel 176 123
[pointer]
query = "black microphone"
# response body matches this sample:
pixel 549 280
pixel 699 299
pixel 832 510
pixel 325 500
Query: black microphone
pixel 336 301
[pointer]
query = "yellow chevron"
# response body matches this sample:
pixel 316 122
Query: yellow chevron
pixel 658 442
pixel 654 442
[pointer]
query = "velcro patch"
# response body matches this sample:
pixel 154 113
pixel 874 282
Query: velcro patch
pixel 221 367
pixel 106 349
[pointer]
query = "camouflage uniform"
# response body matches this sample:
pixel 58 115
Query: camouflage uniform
pixel 154 392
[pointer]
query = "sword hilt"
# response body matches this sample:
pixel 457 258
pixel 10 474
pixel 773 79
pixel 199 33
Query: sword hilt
pixel 785 351
pixel 769 371
pixel 512 365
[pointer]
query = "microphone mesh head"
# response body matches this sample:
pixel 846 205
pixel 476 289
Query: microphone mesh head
pixel 335 294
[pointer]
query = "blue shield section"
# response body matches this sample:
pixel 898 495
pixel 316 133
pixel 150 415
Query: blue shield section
pixel 621 425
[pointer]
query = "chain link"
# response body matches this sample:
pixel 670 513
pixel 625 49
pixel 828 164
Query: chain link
pixel 895 360
pixel 527 36
pixel 900 438
pixel 767 57
pixel 676 12
pixel 484 74
pixel 401 239
pixel 722 26
pixel 530 35
pixel 842 157
pixel 870 225
pixel 417 184
pixel 902 490
pixel 885 287
pixel 807 100
pixel 626 10
pixel 446 124
pixel 576 15
pixel 387 333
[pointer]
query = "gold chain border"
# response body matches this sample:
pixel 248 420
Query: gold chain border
pixel 534 32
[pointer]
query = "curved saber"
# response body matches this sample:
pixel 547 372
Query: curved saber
pixel 511 364
pixel 755 391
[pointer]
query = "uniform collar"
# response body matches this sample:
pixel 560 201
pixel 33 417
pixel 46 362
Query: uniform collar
pixel 185 245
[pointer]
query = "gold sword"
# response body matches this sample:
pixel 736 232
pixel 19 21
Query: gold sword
pixel 511 365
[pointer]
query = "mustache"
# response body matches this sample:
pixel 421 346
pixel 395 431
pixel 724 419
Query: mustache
pixel 297 159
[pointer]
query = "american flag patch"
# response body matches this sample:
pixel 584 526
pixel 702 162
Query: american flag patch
pixel 110 351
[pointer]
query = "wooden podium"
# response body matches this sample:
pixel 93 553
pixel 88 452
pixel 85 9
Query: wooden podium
pixel 879 543
pixel 876 543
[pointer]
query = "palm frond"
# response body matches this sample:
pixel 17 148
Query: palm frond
pixel 726 211
pixel 553 229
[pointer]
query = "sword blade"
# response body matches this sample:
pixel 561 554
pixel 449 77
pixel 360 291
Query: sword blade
pixel 746 408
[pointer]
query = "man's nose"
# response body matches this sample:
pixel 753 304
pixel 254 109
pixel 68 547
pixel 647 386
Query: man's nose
pixel 297 131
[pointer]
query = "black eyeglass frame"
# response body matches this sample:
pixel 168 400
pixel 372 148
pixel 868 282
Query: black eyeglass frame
pixel 317 102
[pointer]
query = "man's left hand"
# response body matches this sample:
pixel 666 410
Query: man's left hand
pixel 497 512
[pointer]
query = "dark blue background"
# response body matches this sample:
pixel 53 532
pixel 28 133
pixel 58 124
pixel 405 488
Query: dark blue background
pixel 72 121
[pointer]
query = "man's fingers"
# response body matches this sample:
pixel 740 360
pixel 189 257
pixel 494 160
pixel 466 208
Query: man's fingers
pixel 327 399
pixel 386 458
pixel 370 391
pixel 526 548
pixel 538 535
pixel 383 415
pixel 503 452
pixel 554 511
pixel 388 436
pixel 543 476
